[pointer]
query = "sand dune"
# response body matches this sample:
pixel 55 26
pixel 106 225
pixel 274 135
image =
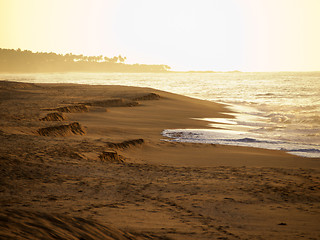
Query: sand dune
pixel 120 180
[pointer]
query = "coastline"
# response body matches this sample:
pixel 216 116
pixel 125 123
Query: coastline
pixel 147 191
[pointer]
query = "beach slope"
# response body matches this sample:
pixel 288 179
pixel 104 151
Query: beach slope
pixel 94 156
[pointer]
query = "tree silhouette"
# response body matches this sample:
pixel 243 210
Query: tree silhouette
pixel 26 61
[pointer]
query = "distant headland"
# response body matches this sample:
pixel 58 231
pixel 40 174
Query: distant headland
pixel 26 61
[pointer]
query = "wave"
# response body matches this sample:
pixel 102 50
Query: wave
pixel 265 94
pixel 250 140
pixel 207 136
pixel 310 150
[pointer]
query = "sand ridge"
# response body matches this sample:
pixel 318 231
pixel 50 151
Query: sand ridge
pixel 55 116
pixel 62 130
pixel 70 109
pixel 156 189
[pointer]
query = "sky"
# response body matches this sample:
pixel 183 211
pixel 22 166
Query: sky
pixel 217 35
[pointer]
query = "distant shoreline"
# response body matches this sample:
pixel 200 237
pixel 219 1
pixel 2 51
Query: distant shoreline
pixel 16 61
pixel 159 72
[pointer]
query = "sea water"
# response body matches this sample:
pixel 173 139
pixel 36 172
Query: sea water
pixel 271 110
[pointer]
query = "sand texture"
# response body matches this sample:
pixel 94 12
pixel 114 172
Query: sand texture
pixel 89 162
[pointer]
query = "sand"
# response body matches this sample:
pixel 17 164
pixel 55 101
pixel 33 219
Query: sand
pixel 89 162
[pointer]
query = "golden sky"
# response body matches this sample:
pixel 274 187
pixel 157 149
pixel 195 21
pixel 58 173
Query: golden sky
pixel 247 35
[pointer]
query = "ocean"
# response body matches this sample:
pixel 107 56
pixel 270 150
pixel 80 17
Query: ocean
pixel 271 110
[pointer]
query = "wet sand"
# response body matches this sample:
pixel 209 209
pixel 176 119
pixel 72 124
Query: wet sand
pixel 89 162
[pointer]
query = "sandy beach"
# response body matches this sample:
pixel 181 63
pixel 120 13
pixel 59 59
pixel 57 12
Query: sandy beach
pixel 89 162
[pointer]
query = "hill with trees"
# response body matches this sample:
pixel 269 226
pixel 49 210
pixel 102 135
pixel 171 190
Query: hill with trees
pixel 15 61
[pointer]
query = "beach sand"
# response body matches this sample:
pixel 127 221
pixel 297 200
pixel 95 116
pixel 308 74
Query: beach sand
pixel 89 162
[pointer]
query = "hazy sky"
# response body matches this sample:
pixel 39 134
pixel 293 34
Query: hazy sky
pixel 248 35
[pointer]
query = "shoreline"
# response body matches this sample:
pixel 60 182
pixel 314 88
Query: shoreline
pixel 238 138
pixel 284 119
pixel 101 158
